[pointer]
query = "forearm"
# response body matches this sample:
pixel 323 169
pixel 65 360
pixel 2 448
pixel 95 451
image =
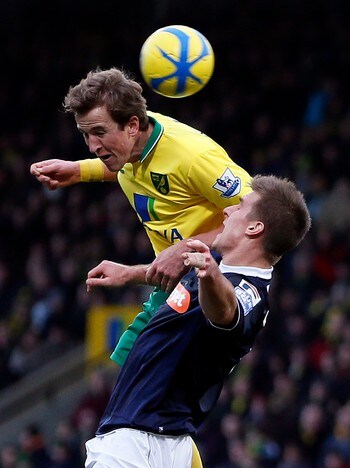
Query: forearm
pixel 93 170
pixel 217 297
pixel 110 274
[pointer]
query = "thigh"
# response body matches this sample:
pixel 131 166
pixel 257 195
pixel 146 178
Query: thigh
pixel 130 448
pixel 122 448
pixel 170 452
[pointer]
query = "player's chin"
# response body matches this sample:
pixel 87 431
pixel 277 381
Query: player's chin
pixel 215 243
pixel 110 162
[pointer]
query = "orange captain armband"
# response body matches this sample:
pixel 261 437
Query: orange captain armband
pixel 91 170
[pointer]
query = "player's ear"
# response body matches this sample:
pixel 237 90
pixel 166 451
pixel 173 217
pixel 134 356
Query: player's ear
pixel 133 126
pixel 255 227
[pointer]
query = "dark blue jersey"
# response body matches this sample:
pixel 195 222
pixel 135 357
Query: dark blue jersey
pixel 174 374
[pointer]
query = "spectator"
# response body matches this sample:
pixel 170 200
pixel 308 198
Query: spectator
pixel 95 398
pixel 33 448
pixel 9 456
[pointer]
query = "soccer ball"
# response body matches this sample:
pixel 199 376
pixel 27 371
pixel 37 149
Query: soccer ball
pixel 176 61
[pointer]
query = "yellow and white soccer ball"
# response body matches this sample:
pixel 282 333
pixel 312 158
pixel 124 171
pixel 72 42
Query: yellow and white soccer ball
pixel 177 61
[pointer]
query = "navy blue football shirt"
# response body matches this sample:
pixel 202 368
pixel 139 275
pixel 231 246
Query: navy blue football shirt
pixel 174 374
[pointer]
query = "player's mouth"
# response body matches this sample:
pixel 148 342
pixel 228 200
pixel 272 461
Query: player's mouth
pixel 105 157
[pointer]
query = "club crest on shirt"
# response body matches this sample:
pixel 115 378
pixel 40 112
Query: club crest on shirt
pixel 248 296
pixel 179 299
pixel 160 181
pixel 228 184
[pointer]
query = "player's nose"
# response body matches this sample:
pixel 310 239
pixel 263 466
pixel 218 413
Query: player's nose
pixel 93 144
pixel 229 209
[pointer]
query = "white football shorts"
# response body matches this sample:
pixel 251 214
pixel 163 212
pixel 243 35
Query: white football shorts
pixel 127 448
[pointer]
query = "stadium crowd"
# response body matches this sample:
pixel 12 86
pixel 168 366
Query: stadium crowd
pixel 279 102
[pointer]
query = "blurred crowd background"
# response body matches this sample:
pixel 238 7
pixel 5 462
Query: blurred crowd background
pixel 279 102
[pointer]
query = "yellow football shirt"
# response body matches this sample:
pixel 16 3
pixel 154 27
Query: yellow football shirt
pixel 181 183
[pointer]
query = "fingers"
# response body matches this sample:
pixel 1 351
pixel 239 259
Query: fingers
pixel 34 170
pixel 199 258
pixel 197 245
pixel 158 273
pixel 38 167
pixel 94 278
pixel 159 279
pixel 43 171
pixel 153 277
pixel 48 182
pixel 35 167
pixel 95 282
pixel 49 167
pixel 96 272
pixel 168 284
pixel 194 259
pixel 106 274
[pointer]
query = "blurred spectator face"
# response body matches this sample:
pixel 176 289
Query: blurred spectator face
pixel 61 454
pixel 334 460
pixel 328 364
pixel 343 358
pixel 64 431
pixel 8 457
pixel 87 422
pixel 333 325
pixel 311 419
pixel 318 391
pixel 258 409
pixel 292 456
pixel 342 424
pixel 239 456
pixel 231 426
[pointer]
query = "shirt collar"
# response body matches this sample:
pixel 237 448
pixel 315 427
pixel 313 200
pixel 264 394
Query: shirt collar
pixel 157 132
pixel 264 273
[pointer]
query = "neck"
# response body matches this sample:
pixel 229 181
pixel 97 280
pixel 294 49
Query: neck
pixel 140 143
pixel 252 258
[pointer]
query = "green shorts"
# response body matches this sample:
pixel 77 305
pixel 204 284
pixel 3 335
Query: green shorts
pixel 127 340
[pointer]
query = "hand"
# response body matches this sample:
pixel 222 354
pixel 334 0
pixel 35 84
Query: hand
pixel 107 274
pixel 168 268
pixel 199 257
pixel 56 173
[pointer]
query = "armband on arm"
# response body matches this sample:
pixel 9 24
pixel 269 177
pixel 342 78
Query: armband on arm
pixel 91 170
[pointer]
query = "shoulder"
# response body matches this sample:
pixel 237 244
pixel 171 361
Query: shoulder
pixel 251 284
pixel 184 134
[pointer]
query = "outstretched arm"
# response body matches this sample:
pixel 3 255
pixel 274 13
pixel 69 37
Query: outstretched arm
pixel 57 173
pixel 216 294
pixel 109 273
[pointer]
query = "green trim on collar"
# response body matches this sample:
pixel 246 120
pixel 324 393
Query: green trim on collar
pixel 158 130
